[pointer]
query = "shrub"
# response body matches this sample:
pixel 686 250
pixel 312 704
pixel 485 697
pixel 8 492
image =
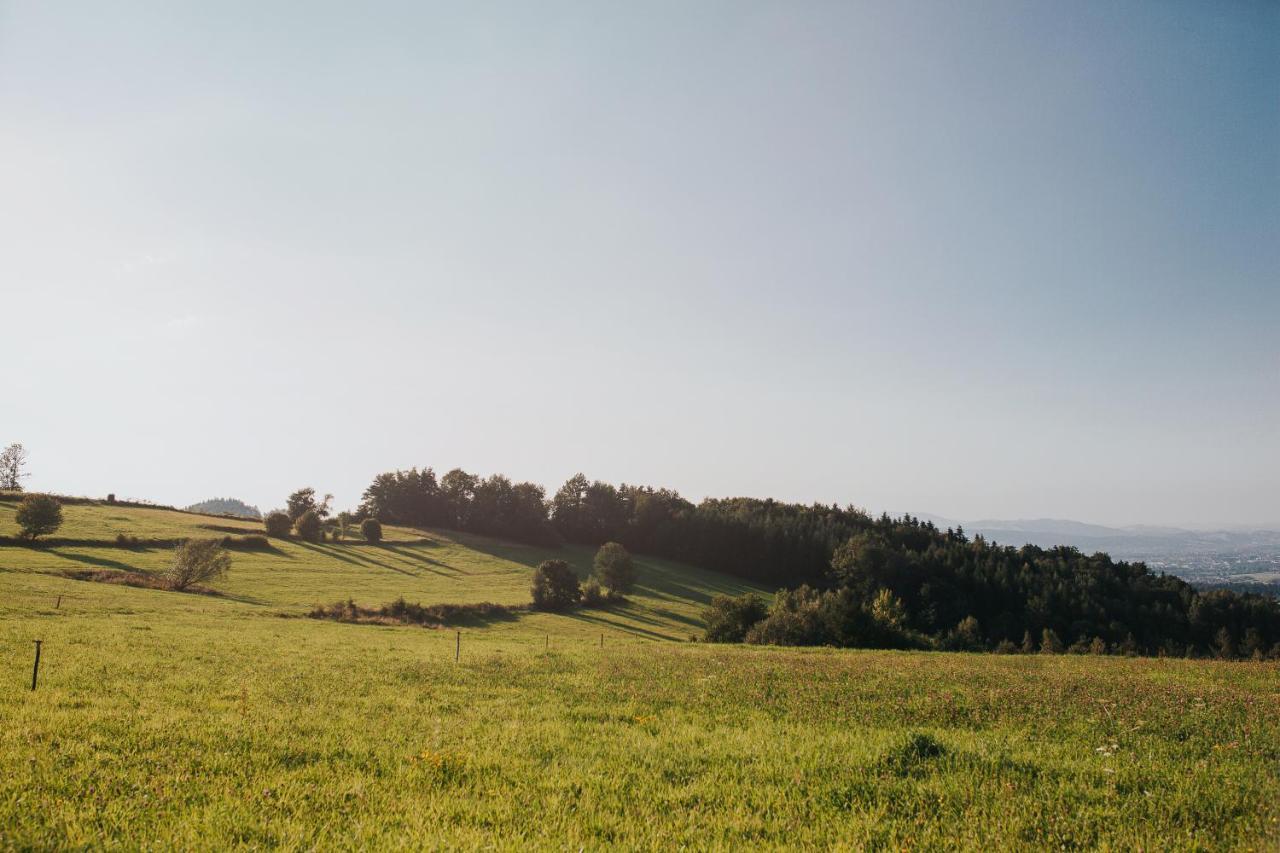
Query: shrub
pixel 371 530
pixel 124 540
pixel 594 595
pixel 196 561
pixel 965 637
pixel 246 543
pixel 555 586
pixel 38 515
pixel 730 617
pixel 401 612
pixel 278 524
pixel 795 619
pixel 1049 642
pixel 614 567
pixel 111 498
pixel 308 527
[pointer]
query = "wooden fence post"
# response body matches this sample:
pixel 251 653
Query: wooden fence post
pixel 35 670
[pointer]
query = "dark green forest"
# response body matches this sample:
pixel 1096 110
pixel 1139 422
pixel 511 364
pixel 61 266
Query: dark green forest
pixel 854 579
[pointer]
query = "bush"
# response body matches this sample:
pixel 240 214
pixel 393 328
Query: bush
pixel 124 540
pixel 965 637
pixel 38 515
pixel 594 595
pixel 246 543
pixel 371 530
pixel 197 561
pixel 278 524
pixel 401 612
pixel 555 586
pixel 614 568
pixel 795 619
pixel 1050 644
pixel 729 618
pixel 308 527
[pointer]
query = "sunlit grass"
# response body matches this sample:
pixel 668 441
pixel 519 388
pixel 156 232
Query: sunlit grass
pixel 182 721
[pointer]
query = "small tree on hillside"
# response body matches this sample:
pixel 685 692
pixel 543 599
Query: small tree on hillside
pixel 1050 643
pixel 38 515
pixel 614 568
pixel 197 561
pixel 371 530
pixel 309 527
pixel 12 460
pixel 304 500
pixel 299 502
pixel 278 524
pixel 555 586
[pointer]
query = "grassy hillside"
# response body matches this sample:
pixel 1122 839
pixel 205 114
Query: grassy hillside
pixel 178 720
pixel 428 567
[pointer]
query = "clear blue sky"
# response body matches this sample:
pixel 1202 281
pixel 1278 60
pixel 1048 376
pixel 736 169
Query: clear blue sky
pixel 980 259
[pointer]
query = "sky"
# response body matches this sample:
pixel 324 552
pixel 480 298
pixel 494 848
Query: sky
pixel 983 260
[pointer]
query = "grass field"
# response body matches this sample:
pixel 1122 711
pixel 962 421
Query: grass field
pixel 175 720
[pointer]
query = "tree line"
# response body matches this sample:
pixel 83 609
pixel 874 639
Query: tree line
pixel 855 579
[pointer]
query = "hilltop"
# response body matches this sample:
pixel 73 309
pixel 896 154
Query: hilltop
pixel 226 506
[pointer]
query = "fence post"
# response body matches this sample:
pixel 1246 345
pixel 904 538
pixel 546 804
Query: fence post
pixel 457 649
pixel 59 604
pixel 35 670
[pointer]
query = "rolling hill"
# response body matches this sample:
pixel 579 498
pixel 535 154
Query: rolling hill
pixel 178 720
pixel 292 577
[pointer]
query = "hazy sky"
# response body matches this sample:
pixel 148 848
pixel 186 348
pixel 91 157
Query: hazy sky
pixel 976 259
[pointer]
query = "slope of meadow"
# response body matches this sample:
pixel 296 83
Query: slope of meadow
pixel 176 720
pixel 292 577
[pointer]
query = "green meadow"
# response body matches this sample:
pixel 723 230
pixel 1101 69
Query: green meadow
pixel 167 720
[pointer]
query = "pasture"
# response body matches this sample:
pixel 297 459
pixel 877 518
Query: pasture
pixel 165 719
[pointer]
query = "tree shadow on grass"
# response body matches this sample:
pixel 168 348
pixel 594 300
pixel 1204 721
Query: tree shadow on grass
pixel 328 552
pixel 650 616
pixel 97 561
pixel 661 583
pixel 363 560
pixel 592 618
pixel 519 552
pixel 413 557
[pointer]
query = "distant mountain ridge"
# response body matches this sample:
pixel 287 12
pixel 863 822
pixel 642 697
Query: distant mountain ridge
pixel 1132 542
pixel 226 506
